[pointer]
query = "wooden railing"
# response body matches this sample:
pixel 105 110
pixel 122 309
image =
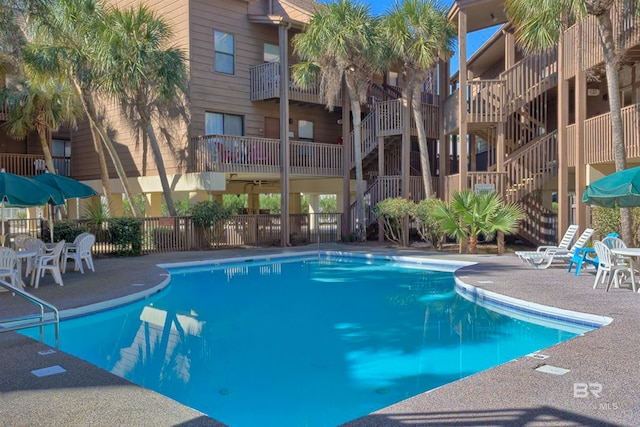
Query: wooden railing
pixel 485 100
pixel 598 144
pixel 175 234
pixel 33 164
pixel 529 78
pixel 225 153
pixel 386 119
pixel 385 187
pixel 485 180
pixel 531 166
pixel 389 117
pixel 265 84
pixel 626 34
pixel 539 224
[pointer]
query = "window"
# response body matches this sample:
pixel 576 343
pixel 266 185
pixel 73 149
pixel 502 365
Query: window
pixel 271 52
pixel 223 124
pixel 224 52
pixel 61 152
pixel 392 78
pixel 305 130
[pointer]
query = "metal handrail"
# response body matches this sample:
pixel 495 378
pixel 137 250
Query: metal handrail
pixel 23 322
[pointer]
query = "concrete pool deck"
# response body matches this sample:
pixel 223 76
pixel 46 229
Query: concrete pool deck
pixel 604 362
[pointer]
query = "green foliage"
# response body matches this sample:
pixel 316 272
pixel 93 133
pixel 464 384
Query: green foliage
pixel 607 220
pixel 209 212
pixel 183 207
pixel 66 230
pixel 328 204
pixel 470 215
pixel 96 212
pixel 140 202
pixel 126 235
pixel 429 229
pixel 235 202
pixel 270 202
pixel 394 212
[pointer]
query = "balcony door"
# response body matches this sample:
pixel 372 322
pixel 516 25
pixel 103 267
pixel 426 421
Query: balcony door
pixel 272 127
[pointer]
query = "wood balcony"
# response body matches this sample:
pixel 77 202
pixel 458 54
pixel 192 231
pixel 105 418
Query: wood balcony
pixel 484 99
pixel 244 154
pixel 265 84
pixel 32 164
pixel 626 33
pixel 598 145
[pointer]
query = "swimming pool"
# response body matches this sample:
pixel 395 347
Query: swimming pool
pixel 305 341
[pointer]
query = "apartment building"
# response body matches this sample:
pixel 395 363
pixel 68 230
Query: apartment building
pixel 543 118
pixel 533 126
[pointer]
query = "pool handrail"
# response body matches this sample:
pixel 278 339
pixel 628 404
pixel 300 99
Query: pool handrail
pixel 32 320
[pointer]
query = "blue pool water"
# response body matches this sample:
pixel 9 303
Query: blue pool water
pixel 301 342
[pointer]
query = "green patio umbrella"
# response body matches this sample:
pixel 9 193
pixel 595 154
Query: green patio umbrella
pixel 68 187
pixel 18 191
pixel 620 189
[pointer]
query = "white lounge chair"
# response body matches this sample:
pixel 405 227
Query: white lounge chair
pixel 544 259
pixel 565 244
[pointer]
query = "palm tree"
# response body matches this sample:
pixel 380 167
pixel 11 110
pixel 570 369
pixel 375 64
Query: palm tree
pixel 40 106
pixel 341 43
pixel 68 43
pixel 418 33
pixel 144 75
pixel 470 215
pixel 539 24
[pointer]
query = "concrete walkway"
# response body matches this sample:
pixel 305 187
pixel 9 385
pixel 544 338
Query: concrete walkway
pixel 513 394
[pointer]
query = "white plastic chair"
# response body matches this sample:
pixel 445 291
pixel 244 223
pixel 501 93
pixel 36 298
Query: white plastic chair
pixel 79 251
pixel 48 262
pixel 609 269
pixel 19 240
pixel 544 259
pixel 9 267
pixel 564 244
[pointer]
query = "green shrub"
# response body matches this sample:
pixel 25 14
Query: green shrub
pixel 209 216
pixel 429 229
pixel 607 220
pixel 393 213
pixel 66 230
pixel 126 235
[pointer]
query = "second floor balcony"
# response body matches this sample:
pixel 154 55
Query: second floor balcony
pixel 32 164
pixel 265 84
pixel 244 154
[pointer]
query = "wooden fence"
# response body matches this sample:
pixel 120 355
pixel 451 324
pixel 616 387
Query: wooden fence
pixel 176 234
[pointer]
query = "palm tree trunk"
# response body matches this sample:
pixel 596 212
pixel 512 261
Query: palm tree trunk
pixel 472 244
pixel 620 158
pixel 416 106
pixel 44 143
pixel 162 172
pixel 357 155
pixel 87 104
pixel 104 170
